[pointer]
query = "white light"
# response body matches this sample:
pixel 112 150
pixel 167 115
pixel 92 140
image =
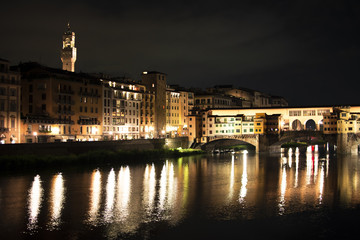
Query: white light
pixel 144 72
pixel 35 133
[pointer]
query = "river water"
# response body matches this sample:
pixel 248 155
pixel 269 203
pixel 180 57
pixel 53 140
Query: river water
pixel 230 196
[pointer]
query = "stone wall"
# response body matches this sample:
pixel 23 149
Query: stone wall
pixel 65 148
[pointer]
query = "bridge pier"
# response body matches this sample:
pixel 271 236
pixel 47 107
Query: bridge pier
pixel 347 143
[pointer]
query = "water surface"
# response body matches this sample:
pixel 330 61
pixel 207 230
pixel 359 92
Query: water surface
pixel 292 195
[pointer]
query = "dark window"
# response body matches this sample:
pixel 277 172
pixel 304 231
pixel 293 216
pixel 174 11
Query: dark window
pixel 43 96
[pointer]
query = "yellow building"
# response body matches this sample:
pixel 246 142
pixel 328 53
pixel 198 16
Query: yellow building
pixel 147 113
pixel 9 104
pixel 173 113
pixel 259 123
pixel 155 83
pixel 59 105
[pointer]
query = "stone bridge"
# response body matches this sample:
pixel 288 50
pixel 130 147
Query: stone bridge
pixel 267 142
pixel 348 143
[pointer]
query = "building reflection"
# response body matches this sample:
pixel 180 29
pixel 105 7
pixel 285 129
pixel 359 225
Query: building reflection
pixel 149 185
pixel 57 199
pixel 123 194
pixel 35 198
pixel 168 188
pixel 95 197
pixel 110 195
pixel 244 179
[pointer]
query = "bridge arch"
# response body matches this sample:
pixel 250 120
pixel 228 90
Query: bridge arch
pixel 296 125
pixel 227 142
pixel 310 125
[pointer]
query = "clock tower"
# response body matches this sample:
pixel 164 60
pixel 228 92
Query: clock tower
pixel 68 51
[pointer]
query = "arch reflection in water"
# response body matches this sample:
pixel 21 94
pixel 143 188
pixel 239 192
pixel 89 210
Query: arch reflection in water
pixel 149 188
pixel 110 194
pixel 244 180
pixel 57 199
pixel 123 193
pixel 95 197
pixel 35 198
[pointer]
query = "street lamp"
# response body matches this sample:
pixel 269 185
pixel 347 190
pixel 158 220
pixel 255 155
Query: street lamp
pixel 35 135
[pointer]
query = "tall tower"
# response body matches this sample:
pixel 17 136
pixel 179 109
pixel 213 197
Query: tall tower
pixel 68 51
pixel 156 82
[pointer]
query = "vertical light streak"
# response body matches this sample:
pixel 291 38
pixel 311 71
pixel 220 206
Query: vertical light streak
pixel 57 199
pixel 163 181
pixel 110 193
pixel 232 178
pixel 34 202
pixel 316 165
pixel 149 187
pixel 296 184
pixel 186 184
pixel 95 197
pixel 282 191
pixel 308 167
pixel 171 185
pixel 123 192
pixel 244 180
pixel 321 183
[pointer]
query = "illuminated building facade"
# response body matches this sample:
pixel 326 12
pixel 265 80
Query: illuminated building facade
pixel 68 51
pixel 121 109
pixel 147 113
pixel 9 104
pixel 59 105
pixel 342 120
pixel 155 82
pixel 173 113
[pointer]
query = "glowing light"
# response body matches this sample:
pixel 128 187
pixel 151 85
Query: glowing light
pixel 145 72
pixel 244 180
pixel 55 130
pixel 308 167
pixel 232 178
pixel 149 187
pixel 282 191
pixel 296 170
pixel 110 193
pixel 321 184
pixel 34 203
pixel 95 197
pixel 123 192
pixel 35 134
pixel 57 199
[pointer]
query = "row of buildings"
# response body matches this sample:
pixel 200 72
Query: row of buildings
pixel 43 104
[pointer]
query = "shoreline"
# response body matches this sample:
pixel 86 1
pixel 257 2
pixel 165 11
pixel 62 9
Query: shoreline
pixel 90 158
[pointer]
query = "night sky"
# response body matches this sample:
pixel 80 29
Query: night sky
pixel 305 51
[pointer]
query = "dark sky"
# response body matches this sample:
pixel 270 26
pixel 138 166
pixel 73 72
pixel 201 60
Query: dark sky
pixel 306 51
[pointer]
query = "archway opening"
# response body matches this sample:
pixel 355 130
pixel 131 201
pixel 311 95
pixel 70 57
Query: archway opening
pixel 310 125
pixel 296 125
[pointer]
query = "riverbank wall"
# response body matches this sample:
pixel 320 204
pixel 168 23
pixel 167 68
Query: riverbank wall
pixel 67 148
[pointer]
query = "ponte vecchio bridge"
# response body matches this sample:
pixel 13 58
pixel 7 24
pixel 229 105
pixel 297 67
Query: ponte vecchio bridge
pixel 291 119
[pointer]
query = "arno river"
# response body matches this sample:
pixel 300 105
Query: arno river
pixel 230 196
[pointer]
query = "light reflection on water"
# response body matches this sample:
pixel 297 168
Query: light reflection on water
pixel 57 198
pixel 124 198
pixel 95 197
pixel 35 198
